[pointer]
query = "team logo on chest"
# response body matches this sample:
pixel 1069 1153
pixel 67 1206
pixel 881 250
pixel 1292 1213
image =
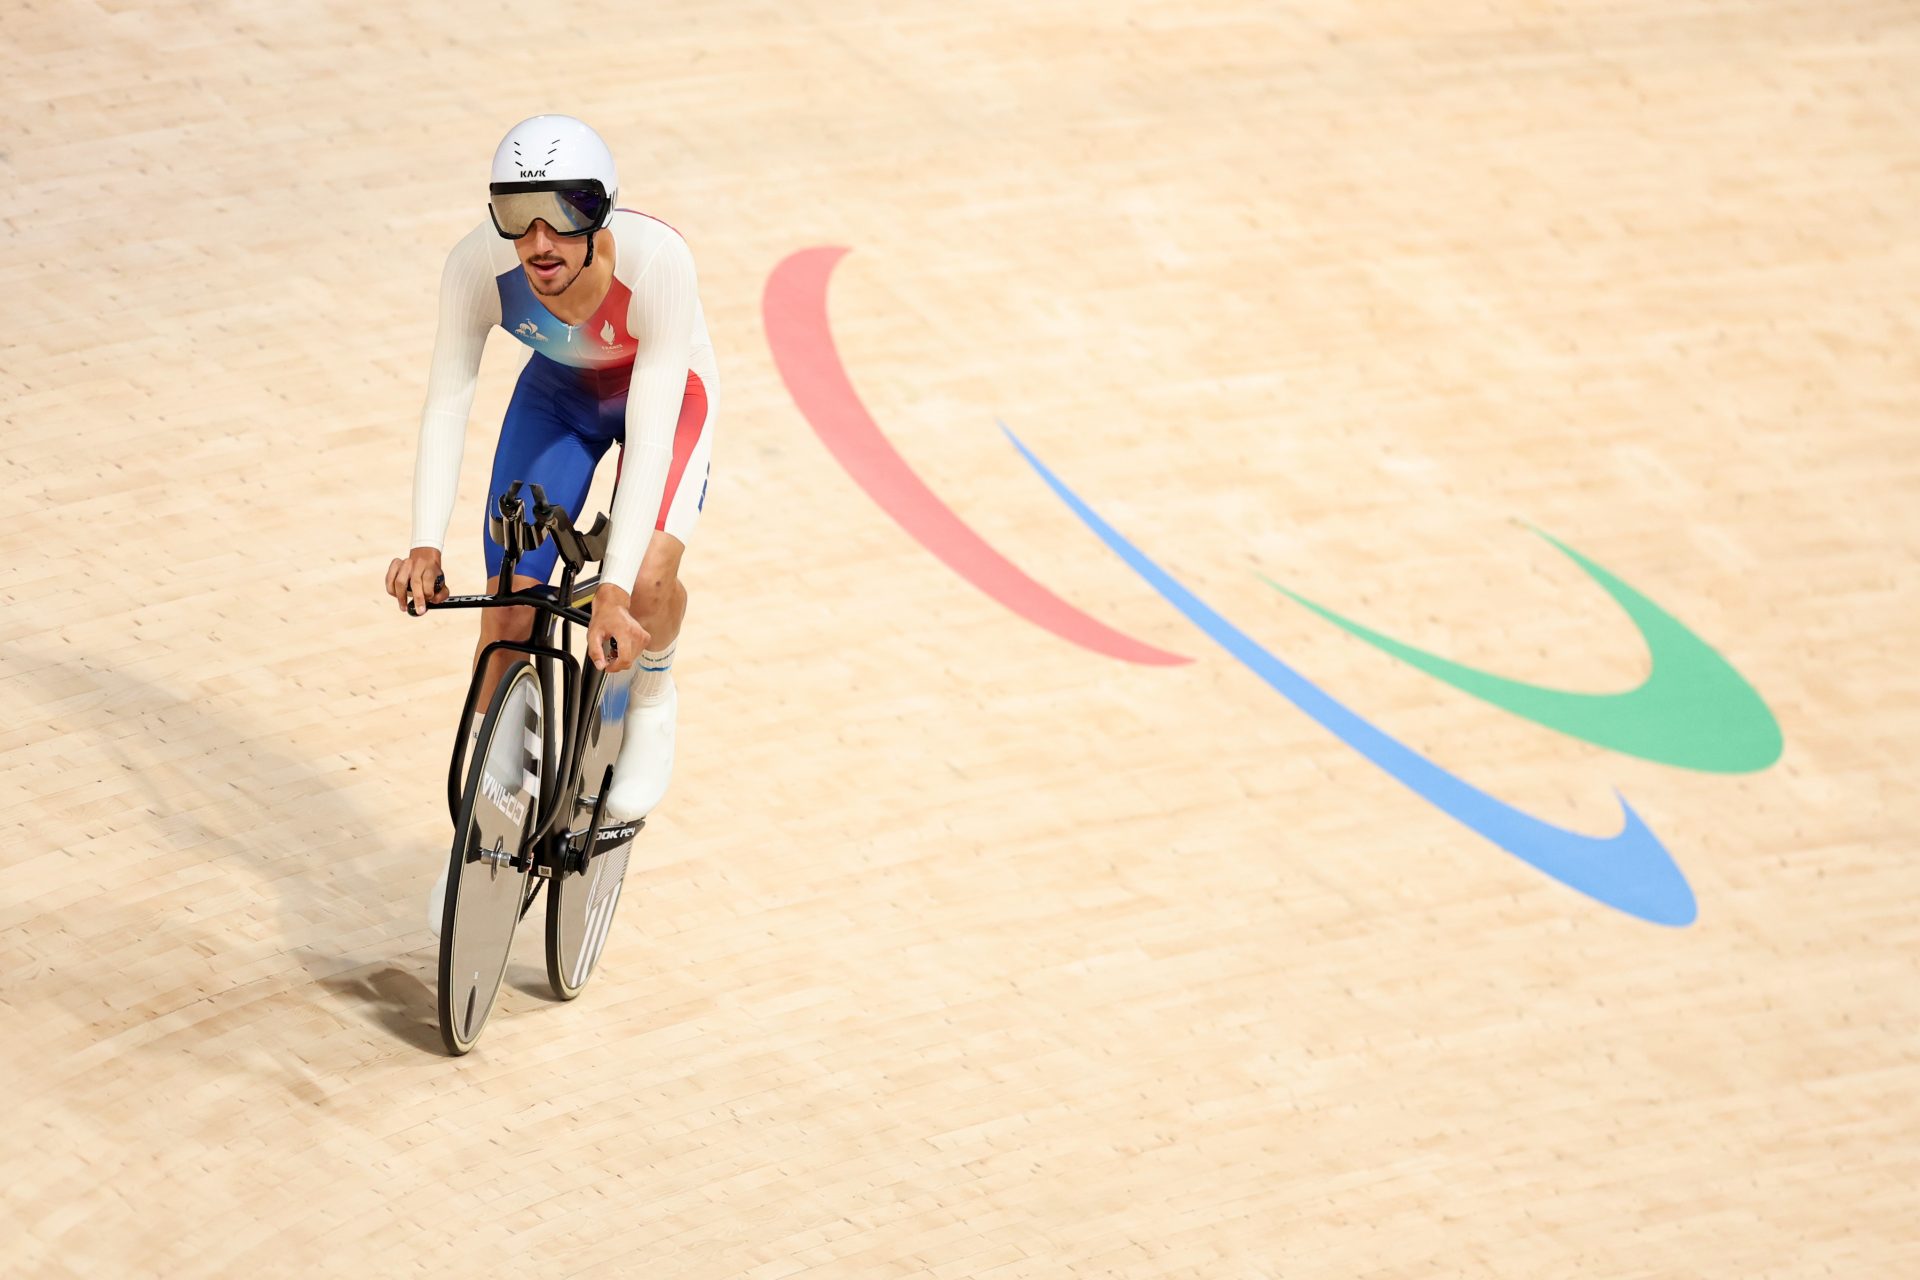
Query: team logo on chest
pixel 598 342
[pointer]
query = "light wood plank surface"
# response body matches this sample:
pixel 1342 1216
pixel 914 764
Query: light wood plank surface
pixel 958 951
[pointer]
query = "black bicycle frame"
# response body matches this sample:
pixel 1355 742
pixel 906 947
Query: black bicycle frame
pixel 516 537
pixel 570 676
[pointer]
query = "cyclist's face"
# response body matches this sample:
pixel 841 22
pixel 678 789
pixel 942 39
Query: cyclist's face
pixel 552 262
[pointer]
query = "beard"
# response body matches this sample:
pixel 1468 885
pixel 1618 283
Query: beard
pixel 558 287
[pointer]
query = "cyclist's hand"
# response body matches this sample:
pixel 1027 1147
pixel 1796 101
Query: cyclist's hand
pixel 417 581
pixel 616 637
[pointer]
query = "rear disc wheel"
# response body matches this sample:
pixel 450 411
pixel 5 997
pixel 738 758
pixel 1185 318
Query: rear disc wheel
pixel 580 905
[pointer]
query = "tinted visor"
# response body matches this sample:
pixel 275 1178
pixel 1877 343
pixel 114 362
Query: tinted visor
pixel 570 208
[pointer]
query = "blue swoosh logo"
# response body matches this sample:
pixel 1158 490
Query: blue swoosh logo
pixel 1630 871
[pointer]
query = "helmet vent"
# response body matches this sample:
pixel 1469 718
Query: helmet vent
pixel 556 149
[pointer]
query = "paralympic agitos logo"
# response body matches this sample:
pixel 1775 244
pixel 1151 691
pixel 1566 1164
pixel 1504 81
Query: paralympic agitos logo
pixel 1693 710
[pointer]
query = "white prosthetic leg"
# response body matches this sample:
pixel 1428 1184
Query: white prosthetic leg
pixel 645 762
pixel 437 900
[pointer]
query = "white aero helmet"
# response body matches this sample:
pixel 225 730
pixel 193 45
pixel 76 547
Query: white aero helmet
pixel 552 169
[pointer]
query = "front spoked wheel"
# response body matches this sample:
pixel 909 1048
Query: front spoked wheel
pixel 487 875
pixel 580 904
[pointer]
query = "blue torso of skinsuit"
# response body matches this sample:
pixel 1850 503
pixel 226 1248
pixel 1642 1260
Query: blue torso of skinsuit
pixel 600 349
pixel 568 407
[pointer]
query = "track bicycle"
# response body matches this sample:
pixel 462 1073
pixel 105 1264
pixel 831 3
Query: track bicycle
pixel 528 809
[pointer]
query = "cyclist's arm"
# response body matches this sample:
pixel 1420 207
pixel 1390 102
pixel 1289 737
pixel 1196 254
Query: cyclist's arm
pixel 469 306
pixel 665 300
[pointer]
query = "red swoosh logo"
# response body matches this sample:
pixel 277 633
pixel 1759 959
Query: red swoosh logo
pixel 795 311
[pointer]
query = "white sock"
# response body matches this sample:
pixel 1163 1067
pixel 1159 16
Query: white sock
pixel 473 730
pixel 650 675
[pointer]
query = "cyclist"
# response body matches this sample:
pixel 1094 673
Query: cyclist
pixel 608 303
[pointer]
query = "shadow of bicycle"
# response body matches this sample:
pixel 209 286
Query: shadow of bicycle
pixel 222 788
pixel 398 996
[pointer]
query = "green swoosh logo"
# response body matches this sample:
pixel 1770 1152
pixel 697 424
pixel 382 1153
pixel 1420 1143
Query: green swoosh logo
pixel 1693 710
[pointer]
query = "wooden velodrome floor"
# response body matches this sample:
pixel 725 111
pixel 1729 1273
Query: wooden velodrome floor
pixel 959 950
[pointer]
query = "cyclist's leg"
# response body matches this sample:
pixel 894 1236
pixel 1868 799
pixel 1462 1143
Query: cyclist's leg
pixel 548 438
pixel 659 598
pixel 659 601
pixel 541 442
